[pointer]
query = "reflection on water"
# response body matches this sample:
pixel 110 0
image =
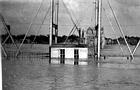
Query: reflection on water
pixel 38 74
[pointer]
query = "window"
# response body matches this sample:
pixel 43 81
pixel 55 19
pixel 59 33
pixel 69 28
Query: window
pixel 62 53
pixel 62 56
pixel 76 53
pixel 76 56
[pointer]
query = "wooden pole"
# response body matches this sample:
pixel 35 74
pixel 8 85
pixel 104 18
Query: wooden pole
pixel 136 47
pixel 51 29
pixel 29 28
pixel 119 26
pixel 7 30
pixel 1 47
pixel 96 12
pixel 56 28
pixel 99 30
pixel 96 26
pixel 51 23
pixel 113 29
pixel 0 69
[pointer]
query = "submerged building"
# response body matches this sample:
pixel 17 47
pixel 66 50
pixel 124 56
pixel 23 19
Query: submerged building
pixel 77 53
pixel 69 54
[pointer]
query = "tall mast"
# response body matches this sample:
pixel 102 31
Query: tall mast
pixel 56 25
pixel 99 29
pixel 96 12
pixel 51 22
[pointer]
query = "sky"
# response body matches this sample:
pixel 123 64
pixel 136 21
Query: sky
pixel 19 14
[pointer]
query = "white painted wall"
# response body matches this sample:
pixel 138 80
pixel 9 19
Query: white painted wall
pixel 55 52
pixel 83 53
pixel 69 52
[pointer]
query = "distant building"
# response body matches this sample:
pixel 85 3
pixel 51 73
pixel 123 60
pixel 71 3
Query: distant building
pixel 92 37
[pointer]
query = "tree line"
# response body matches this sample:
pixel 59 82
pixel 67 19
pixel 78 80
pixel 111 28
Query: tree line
pixel 131 40
pixel 39 39
pixel 42 39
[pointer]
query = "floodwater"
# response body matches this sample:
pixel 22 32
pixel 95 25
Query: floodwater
pixel 28 73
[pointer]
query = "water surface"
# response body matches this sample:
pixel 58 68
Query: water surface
pixel 35 73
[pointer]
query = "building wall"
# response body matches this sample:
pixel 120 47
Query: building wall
pixel 83 53
pixel 55 52
pixel 69 52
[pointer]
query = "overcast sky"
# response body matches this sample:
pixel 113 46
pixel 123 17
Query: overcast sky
pixel 19 13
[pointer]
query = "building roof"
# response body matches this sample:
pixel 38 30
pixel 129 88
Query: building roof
pixel 69 45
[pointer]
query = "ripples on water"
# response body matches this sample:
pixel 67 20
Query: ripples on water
pixel 28 73
pixel 37 74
